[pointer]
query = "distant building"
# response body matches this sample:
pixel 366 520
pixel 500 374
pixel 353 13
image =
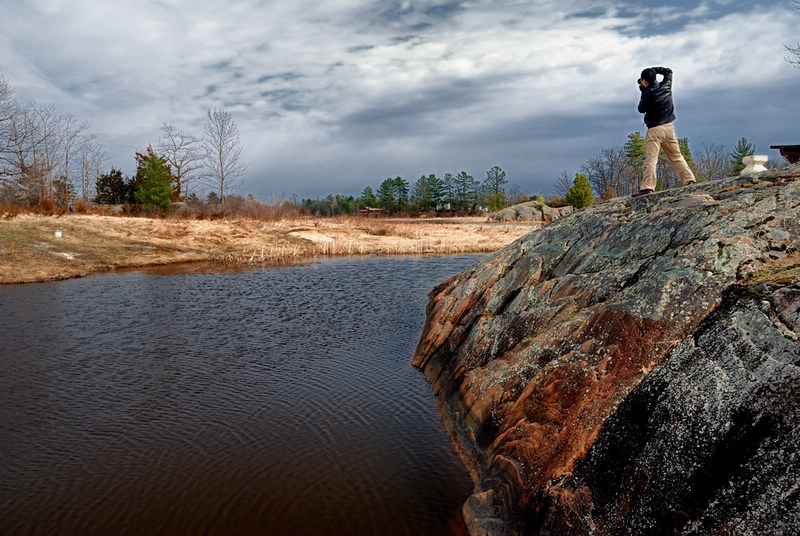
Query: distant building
pixel 369 211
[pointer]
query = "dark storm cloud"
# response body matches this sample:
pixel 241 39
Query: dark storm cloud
pixel 400 12
pixel 283 77
pixel 410 114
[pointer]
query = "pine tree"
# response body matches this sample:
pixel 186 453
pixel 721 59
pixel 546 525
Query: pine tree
pixel 401 193
pixel 437 188
pixel 635 147
pixel 421 198
pixel 580 195
pixel 154 181
pixel 112 189
pixel 635 153
pixel 449 191
pixel 367 198
pixel 743 148
pixel 465 191
pixel 683 143
pixel 495 192
pixel 386 196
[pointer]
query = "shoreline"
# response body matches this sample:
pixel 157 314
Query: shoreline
pixel 37 248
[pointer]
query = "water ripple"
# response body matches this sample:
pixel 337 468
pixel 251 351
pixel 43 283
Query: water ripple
pixel 268 402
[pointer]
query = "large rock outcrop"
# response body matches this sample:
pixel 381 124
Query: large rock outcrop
pixel 633 368
pixel 529 211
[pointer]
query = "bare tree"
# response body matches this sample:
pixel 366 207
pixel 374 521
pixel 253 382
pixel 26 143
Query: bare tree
pixel 48 146
pixel 182 153
pixel 222 153
pixel 794 50
pixel 39 151
pixel 42 154
pixel 7 104
pixel 8 108
pixel 21 167
pixel 712 161
pixel 515 194
pixel 562 184
pixel 90 160
pixel 608 173
pixel 57 139
pixel 73 133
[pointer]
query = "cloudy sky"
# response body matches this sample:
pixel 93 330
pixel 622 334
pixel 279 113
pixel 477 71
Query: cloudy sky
pixel 334 95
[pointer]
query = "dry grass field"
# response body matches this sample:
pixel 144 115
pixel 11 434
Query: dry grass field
pixel 42 248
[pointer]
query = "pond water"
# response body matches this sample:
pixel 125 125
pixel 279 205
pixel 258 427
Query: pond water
pixel 276 402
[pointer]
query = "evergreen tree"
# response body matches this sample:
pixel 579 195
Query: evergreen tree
pixel 683 143
pixel 367 198
pixel 465 192
pixel 329 206
pixel 493 186
pixel 401 193
pixel 386 196
pixel 448 191
pixel 635 153
pixel 345 204
pixel 743 148
pixel 436 187
pixel 193 200
pixel 580 195
pixel 635 147
pixel 112 189
pixel 427 192
pixel 421 194
pixel 154 181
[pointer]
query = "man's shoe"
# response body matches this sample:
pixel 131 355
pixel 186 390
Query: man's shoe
pixel 643 192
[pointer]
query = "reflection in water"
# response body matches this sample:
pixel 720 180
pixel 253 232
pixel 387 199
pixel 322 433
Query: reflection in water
pixel 271 402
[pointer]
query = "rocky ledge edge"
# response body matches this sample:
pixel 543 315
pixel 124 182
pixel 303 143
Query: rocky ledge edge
pixel 632 368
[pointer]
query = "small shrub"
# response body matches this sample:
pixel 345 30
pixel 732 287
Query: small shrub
pixel 11 210
pixel 580 195
pixel 81 207
pixel 47 205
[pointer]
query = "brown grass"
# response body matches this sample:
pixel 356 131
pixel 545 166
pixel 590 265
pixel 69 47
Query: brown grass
pixel 30 250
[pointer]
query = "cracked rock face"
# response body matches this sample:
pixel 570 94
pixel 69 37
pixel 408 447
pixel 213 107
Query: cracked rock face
pixel 621 371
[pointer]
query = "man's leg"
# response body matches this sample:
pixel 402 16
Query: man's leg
pixel 652 146
pixel 673 151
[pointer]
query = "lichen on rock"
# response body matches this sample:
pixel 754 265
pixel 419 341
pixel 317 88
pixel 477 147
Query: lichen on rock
pixel 623 370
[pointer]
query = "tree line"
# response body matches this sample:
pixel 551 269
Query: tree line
pixel 459 193
pixel 48 159
pixel 615 171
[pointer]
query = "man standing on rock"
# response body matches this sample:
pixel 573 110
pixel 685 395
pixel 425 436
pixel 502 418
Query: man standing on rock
pixel 659 113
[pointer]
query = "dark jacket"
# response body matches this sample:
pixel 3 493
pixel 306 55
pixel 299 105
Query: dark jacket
pixel 656 100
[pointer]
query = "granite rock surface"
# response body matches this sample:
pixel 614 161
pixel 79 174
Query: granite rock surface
pixel 530 211
pixel 632 368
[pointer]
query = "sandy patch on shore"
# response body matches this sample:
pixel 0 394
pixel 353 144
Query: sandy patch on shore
pixel 40 248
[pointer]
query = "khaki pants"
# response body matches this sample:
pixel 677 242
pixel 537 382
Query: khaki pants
pixel 663 137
